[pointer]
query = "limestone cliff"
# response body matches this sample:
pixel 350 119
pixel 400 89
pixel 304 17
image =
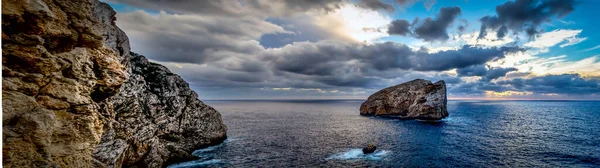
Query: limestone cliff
pixel 73 96
pixel 417 99
pixel 158 120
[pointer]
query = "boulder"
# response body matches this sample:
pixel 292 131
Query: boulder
pixel 417 99
pixel 369 149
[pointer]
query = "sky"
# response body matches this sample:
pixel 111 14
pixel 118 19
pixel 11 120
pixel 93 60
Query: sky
pixel 349 49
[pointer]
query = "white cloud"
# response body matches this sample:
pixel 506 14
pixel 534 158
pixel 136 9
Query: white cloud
pixel 458 40
pixel 593 48
pixel 553 38
pixel 572 41
pixel 490 39
pixel 554 65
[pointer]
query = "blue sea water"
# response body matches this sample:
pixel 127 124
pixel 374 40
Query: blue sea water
pixel 330 133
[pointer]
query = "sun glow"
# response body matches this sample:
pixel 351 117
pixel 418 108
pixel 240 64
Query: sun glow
pixel 489 93
pixel 358 24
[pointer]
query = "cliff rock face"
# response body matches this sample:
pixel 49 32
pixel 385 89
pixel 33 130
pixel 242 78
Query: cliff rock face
pixel 56 70
pixel 73 96
pixel 417 99
pixel 158 120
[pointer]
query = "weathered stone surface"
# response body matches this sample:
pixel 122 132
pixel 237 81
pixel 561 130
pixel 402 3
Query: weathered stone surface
pixel 417 99
pixel 155 119
pixel 158 120
pixel 73 96
pixel 55 71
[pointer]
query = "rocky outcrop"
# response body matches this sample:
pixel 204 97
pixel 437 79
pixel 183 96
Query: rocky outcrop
pixel 370 148
pixel 158 120
pixel 417 99
pixel 56 69
pixel 74 96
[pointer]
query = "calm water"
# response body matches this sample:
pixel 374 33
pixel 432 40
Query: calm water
pixel 477 134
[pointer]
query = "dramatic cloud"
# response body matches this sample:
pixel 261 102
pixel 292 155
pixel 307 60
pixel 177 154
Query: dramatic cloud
pixel 476 70
pixel 349 23
pixel 328 58
pixel 197 39
pixel 524 15
pixel 496 72
pixel 376 5
pixel 399 27
pixel 538 86
pixel 487 73
pixel 247 48
pixel 239 8
pixel 429 29
pixel 435 29
pixel 558 84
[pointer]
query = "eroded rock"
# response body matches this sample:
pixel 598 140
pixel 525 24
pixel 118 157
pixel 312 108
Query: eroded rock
pixel 74 96
pixel 55 71
pixel 158 120
pixel 417 99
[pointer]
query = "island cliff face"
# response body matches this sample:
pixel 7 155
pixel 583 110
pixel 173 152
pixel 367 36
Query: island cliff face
pixel 417 99
pixel 74 96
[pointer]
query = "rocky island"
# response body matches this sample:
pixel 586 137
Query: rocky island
pixel 75 96
pixel 416 99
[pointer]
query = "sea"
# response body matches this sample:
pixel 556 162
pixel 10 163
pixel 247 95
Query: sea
pixel 477 133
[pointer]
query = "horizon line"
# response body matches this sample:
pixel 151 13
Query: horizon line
pixel 357 99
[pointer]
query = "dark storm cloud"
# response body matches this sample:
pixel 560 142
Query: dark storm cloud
pixel 376 5
pixel 502 32
pixel 525 15
pixel 224 8
pixel 227 44
pixel 428 29
pixel 399 27
pixel 195 39
pixel 560 84
pixel 353 80
pixel 487 73
pixel 564 84
pixel 463 57
pixel 262 8
pixel 496 72
pixel 435 29
pixel 328 58
pixel 475 70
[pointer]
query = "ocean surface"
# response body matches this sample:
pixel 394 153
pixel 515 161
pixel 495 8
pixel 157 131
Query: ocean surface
pixel 330 133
